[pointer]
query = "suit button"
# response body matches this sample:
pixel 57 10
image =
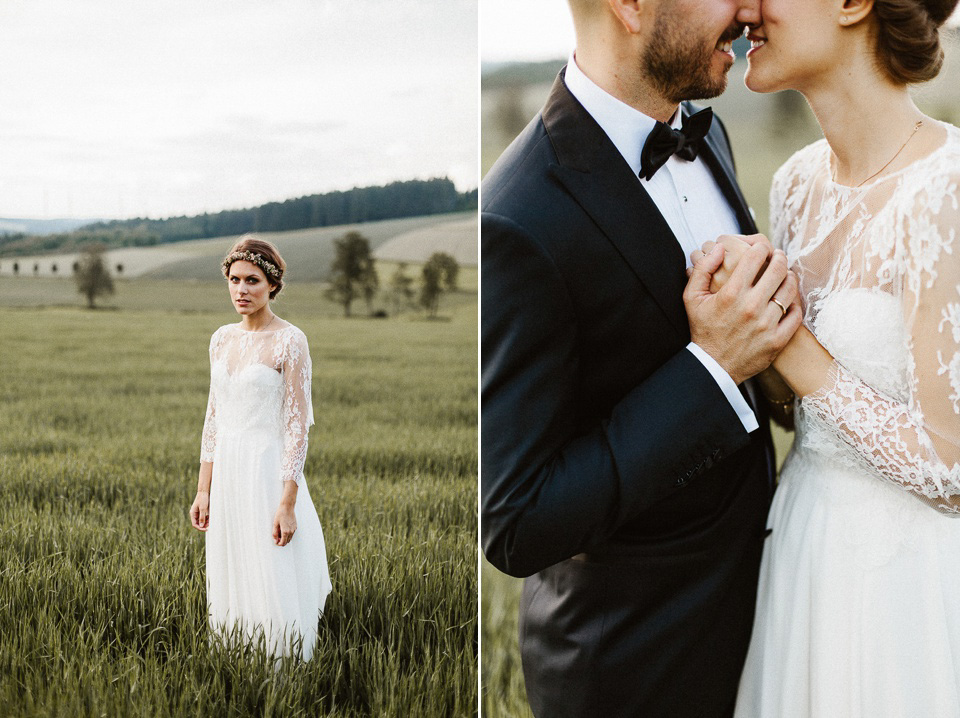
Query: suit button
pixel 680 482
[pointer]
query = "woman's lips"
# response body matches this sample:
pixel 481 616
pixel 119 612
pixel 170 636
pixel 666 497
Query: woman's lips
pixel 756 42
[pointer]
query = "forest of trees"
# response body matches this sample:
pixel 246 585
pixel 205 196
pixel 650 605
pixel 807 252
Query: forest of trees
pixel 412 198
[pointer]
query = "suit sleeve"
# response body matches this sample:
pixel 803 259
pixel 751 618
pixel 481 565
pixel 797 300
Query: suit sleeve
pixel 549 489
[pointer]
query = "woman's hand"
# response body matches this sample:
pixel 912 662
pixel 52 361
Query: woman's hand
pixel 284 525
pixel 734 247
pixel 200 511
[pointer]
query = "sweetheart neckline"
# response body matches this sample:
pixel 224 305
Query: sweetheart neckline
pixel 233 375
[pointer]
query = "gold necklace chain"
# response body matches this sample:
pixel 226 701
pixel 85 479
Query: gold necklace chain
pixel 267 326
pixel 916 127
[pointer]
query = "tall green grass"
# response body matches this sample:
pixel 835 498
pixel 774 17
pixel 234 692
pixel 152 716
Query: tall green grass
pixel 102 598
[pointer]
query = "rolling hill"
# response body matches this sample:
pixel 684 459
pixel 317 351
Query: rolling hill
pixel 308 252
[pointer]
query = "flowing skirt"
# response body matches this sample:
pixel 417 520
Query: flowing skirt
pixel 858 611
pixel 252 584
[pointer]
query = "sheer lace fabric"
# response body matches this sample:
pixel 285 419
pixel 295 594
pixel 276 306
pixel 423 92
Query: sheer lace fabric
pixel 280 403
pixel 858 583
pixel 879 270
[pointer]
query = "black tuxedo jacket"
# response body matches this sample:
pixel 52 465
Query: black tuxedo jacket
pixel 614 472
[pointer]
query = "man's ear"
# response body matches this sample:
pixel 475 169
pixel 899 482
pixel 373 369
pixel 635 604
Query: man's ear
pixel 854 11
pixel 632 14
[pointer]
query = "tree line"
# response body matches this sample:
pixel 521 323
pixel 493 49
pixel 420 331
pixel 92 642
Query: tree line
pixel 353 277
pixel 412 198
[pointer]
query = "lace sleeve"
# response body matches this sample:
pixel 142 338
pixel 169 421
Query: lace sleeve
pixel 777 215
pixel 913 442
pixel 208 441
pixel 297 406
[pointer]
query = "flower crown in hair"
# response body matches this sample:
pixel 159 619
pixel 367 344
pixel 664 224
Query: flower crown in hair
pixel 268 268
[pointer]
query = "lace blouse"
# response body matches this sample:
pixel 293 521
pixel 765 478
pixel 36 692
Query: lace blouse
pixel 260 384
pixel 879 271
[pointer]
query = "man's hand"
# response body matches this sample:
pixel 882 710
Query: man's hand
pixel 739 325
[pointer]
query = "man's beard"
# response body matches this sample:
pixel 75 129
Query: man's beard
pixel 678 64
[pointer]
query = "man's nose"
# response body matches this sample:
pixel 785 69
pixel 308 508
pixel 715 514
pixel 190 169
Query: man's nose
pixel 749 13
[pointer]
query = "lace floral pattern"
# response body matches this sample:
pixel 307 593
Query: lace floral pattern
pixel 260 384
pixel 880 278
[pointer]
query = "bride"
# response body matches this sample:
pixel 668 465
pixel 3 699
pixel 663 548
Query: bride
pixel 859 603
pixel 266 561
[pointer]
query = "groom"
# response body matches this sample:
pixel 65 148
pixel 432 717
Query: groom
pixel 626 461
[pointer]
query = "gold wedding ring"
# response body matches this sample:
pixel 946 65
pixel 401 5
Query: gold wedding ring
pixel 783 309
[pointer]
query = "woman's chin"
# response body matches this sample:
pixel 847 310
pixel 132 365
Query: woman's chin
pixel 756 82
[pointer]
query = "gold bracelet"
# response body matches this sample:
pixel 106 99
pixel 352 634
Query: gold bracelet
pixel 783 403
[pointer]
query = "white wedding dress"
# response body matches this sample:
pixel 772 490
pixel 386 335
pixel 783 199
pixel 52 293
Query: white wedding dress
pixel 255 433
pixel 858 611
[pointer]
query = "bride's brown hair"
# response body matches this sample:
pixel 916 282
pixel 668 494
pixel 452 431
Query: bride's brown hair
pixel 908 37
pixel 263 254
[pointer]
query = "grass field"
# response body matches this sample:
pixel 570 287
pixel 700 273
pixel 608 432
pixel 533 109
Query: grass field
pixel 102 607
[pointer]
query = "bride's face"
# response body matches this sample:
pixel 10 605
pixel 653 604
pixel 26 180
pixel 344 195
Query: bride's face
pixel 798 42
pixel 249 288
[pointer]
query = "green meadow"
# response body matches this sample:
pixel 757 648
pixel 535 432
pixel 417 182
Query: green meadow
pixel 102 597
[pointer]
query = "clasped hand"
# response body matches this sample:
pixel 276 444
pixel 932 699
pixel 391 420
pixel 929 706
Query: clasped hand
pixel 729 302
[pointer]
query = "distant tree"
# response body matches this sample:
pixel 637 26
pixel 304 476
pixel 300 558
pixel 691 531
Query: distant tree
pixel 119 269
pixel 401 288
pixel 93 278
pixel 76 267
pixel 449 269
pixel 439 274
pixel 53 268
pixel 16 267
pixel 36 268
pixel 354 274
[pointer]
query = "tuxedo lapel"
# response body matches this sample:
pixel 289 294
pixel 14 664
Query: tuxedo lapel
pixel 602 183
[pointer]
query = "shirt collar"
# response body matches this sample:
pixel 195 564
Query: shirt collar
pixel 626 127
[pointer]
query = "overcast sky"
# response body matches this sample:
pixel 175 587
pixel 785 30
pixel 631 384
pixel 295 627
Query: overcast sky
pixel 525 30
pixel 121 109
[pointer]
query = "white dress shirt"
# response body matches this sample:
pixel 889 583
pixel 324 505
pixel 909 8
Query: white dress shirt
pixel 686 194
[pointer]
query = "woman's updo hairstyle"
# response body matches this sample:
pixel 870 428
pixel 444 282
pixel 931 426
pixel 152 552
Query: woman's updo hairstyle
pixel 908 37
pixel 261 253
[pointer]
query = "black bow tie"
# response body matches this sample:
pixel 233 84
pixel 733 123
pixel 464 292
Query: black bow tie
pixel 665 141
